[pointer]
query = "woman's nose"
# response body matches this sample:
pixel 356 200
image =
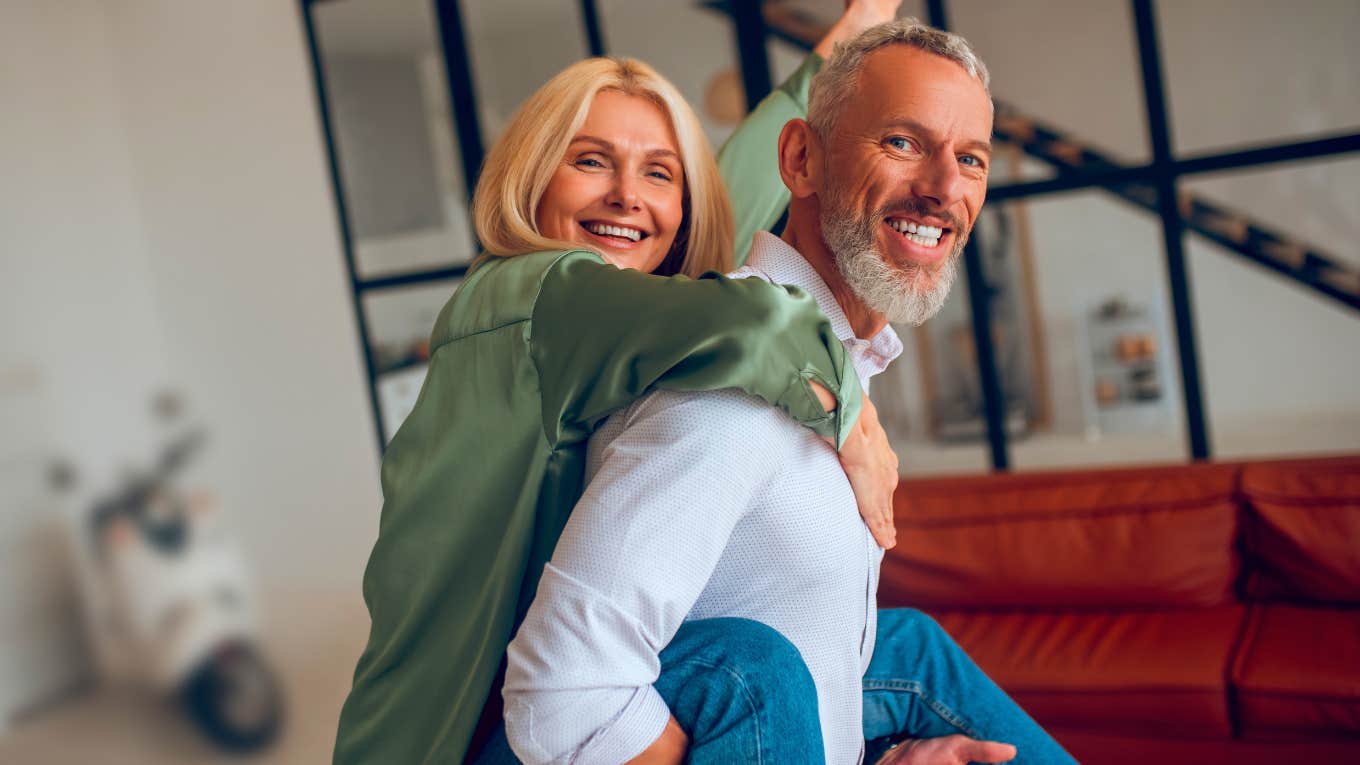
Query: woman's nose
pixel 622 193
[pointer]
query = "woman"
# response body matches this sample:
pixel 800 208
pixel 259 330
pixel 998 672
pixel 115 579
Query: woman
pixel 543 341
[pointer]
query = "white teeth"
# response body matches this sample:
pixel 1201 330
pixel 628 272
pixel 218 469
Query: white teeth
pixel 921 234
pixel 605 229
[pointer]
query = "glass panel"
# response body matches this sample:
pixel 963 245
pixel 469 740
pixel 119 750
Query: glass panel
pixel 1073 67
pixel 1313 203
pixel 1108 386
pixel 400 169
pixel 692 46
pixel 399 324
pixel 1278 359
pixel 400 320
pixel 1249 73
pixel 517 45
pixel 925 381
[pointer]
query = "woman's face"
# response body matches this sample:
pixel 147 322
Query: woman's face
pixel 620 188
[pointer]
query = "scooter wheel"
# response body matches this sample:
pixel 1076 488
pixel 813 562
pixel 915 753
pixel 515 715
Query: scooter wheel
pixel 234 698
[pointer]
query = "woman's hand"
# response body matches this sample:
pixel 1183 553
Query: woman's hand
pixel 669 749
pixel 947 750
pixel 859 15
pixel 871 465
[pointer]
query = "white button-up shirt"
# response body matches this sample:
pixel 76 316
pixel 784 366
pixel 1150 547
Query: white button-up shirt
pixel 699 505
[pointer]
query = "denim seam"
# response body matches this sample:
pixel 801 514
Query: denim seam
pixel 746 694
pixel 937 706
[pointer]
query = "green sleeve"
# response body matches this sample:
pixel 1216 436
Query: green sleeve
pixel 602 337
pixel 749 161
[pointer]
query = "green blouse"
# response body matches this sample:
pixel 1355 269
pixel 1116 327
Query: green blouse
pixel 528 357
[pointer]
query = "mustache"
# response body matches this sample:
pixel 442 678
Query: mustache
pixel 920 209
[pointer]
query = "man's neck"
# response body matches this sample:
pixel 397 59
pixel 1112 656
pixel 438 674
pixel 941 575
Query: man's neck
pixel 804 234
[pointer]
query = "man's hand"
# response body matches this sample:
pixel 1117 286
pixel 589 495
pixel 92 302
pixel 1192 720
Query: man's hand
pixel 859 15
pixel 871 465
pixel 947 750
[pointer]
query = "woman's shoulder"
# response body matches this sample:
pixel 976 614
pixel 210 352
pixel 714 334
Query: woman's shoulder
pixel 499 291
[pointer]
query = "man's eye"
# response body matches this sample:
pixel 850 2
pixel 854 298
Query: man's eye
pixel 899 143
pixel 970 160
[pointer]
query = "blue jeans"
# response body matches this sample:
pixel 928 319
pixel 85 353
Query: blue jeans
pixel 738 688
pixel 920 684
pixel 741 691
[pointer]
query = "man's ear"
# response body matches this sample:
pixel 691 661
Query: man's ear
pixel 800 159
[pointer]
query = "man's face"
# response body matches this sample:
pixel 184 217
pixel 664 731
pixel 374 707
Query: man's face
pixel 904 178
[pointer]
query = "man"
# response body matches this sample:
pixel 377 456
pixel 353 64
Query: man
pixel 887 176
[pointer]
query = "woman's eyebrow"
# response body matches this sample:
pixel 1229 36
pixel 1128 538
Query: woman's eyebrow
pixel 603 144
pixel 608 146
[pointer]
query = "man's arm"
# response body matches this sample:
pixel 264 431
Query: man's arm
pixel 637 552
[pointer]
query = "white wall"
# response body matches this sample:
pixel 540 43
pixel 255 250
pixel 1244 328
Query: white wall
pixel 81 347
pixel 246 263
pixel 77 307
pixel 166 219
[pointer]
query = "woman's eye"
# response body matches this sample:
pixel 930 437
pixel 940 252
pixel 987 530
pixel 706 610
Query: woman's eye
pixel 660 175
pixel 589 162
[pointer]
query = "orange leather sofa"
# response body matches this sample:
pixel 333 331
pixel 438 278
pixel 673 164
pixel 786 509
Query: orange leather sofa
pixel 1205 613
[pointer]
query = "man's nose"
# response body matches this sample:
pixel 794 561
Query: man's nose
pixel 940 180
pixel 623 193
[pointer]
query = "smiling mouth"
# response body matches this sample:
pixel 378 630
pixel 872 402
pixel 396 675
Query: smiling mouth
pixel 615 233
pixel 919 233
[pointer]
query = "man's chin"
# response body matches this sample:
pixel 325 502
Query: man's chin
pixel 913 296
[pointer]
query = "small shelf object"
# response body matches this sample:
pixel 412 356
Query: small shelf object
pixel 1124 367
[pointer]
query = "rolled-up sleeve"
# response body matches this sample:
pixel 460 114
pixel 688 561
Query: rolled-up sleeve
pixel 637 552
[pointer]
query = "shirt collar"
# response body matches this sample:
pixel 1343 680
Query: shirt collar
pixel 775 260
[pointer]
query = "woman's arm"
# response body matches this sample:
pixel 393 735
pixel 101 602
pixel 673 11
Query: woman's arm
pixel 601 337
pixel 748 160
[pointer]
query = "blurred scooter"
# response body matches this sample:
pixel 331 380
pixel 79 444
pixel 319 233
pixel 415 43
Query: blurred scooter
pixel 168 601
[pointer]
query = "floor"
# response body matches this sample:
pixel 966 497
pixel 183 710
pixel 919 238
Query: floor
pixel 314 649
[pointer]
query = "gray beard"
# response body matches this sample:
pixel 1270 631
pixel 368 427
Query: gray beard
pixel 903 295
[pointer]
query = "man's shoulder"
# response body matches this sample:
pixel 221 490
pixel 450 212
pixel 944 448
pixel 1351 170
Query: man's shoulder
pixel 747 272
pixel 727 417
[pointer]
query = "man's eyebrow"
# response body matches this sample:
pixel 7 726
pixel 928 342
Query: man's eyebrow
pixel 980 146
pixel 607 146
pixel 976 144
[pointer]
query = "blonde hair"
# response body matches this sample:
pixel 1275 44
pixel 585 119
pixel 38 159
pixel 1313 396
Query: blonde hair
pixel 520 165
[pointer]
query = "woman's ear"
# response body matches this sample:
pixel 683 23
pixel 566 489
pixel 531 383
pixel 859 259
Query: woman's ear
pixel 800 161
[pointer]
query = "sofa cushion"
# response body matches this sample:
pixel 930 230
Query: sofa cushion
pixel 1302 530
pixel 1298 671
pixel 1155 537
pixel 1119 672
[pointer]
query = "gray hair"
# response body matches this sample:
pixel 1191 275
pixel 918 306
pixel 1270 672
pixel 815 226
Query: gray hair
pixel 834 84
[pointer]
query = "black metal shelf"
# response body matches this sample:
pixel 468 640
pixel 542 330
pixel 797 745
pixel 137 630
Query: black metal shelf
pixel 1151 186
